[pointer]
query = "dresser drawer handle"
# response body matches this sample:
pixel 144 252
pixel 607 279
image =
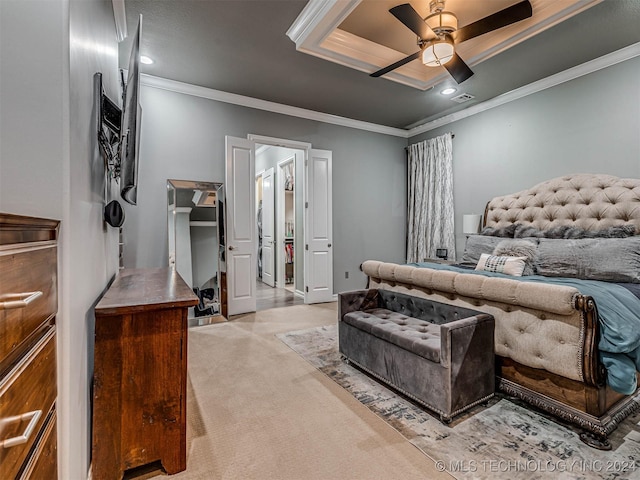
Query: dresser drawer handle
pixel 18 300
pixel 33 418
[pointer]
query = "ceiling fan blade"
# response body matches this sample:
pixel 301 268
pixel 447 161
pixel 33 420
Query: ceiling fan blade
pixel 413 21
pixel 459 70
pixel 399 63
pixel 500 19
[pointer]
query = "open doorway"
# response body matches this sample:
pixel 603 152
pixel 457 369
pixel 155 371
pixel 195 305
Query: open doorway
pixel 313 242
pixel 279 221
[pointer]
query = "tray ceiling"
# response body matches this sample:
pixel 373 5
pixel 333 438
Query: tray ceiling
pixel 363 35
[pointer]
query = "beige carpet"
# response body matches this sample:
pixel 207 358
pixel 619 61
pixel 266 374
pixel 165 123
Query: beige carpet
pixel 257 410
pixel 504 439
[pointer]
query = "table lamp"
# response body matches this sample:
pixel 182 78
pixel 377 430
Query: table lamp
pixel 471 224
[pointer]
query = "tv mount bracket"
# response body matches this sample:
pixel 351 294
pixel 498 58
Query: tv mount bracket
pixel 108 126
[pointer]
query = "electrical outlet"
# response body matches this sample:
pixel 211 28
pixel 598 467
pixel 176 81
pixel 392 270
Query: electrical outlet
pixel 346 274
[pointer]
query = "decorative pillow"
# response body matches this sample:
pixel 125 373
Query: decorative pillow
pixel 567 231
pixel 507 265
pixel 607 259
pixel 506 232
pixel 527 231
pixel 477 245
pixel 519 248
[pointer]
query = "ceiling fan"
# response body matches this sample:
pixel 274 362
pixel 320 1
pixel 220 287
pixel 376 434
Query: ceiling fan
pixel 438 34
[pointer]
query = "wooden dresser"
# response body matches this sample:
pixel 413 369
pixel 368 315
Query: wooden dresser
pixel 140 373
pixel 28 306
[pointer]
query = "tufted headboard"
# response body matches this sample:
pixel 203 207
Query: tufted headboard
pixel 587 201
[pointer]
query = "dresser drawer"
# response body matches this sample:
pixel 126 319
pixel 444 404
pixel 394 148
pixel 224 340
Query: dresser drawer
pixel 26 396
pixel 43 463
pixel 26 270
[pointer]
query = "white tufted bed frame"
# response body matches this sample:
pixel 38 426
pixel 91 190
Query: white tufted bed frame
pixel 591 202
pixel 546 335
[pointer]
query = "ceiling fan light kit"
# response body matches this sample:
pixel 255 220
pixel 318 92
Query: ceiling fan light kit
pixel 438 52
pixel 438 35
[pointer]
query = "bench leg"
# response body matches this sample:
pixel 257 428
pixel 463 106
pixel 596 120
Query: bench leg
pixel 446 420
pixel 595 441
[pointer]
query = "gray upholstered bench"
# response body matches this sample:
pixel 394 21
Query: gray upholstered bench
pixel 440 355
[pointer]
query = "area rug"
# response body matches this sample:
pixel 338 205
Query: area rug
pixel 504 439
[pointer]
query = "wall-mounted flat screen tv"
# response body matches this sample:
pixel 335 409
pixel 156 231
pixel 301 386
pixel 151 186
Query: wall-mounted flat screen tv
pixel 130 126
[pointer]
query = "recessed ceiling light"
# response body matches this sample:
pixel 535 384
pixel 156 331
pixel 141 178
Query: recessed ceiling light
pixel 146 60
pixel 448 91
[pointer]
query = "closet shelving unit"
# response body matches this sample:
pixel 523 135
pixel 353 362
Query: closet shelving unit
pixel 289 238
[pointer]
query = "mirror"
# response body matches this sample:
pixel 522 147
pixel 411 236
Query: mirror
pixel 195 227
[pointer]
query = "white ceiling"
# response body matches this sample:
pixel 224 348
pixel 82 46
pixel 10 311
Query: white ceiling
pixel 242 47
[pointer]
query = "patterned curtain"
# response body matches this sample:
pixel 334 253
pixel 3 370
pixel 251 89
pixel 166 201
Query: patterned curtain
pixel 430 197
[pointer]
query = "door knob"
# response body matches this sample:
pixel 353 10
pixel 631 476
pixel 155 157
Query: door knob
pixel 329 245
pixel 231 247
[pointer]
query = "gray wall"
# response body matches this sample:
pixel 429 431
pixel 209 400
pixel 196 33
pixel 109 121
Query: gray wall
pixel 90 248
pixel 588 125
pixel 32 118
pixel 49 167
pixel 182 136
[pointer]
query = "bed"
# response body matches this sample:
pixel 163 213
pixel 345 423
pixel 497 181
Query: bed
pixel 567 335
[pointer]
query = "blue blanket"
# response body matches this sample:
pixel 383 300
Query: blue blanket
pixel 618 314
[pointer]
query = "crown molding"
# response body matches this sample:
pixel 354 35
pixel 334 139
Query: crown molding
pixel 250 102
pixel 120 19
pixel 605 61
pixel 317 19
pixel 359 53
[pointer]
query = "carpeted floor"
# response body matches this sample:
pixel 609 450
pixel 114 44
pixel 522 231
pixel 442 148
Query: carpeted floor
pixel 257 410
pixel 505 439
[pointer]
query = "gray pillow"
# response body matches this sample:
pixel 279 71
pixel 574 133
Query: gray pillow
pixel 506 232
pixel 477 245
pixel 567 231
pixel 607 259
pixel 527 231
pixel 519 248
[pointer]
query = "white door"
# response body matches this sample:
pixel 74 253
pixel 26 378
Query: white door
pixel 318 230
pixel 241 228
pixel 268 214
